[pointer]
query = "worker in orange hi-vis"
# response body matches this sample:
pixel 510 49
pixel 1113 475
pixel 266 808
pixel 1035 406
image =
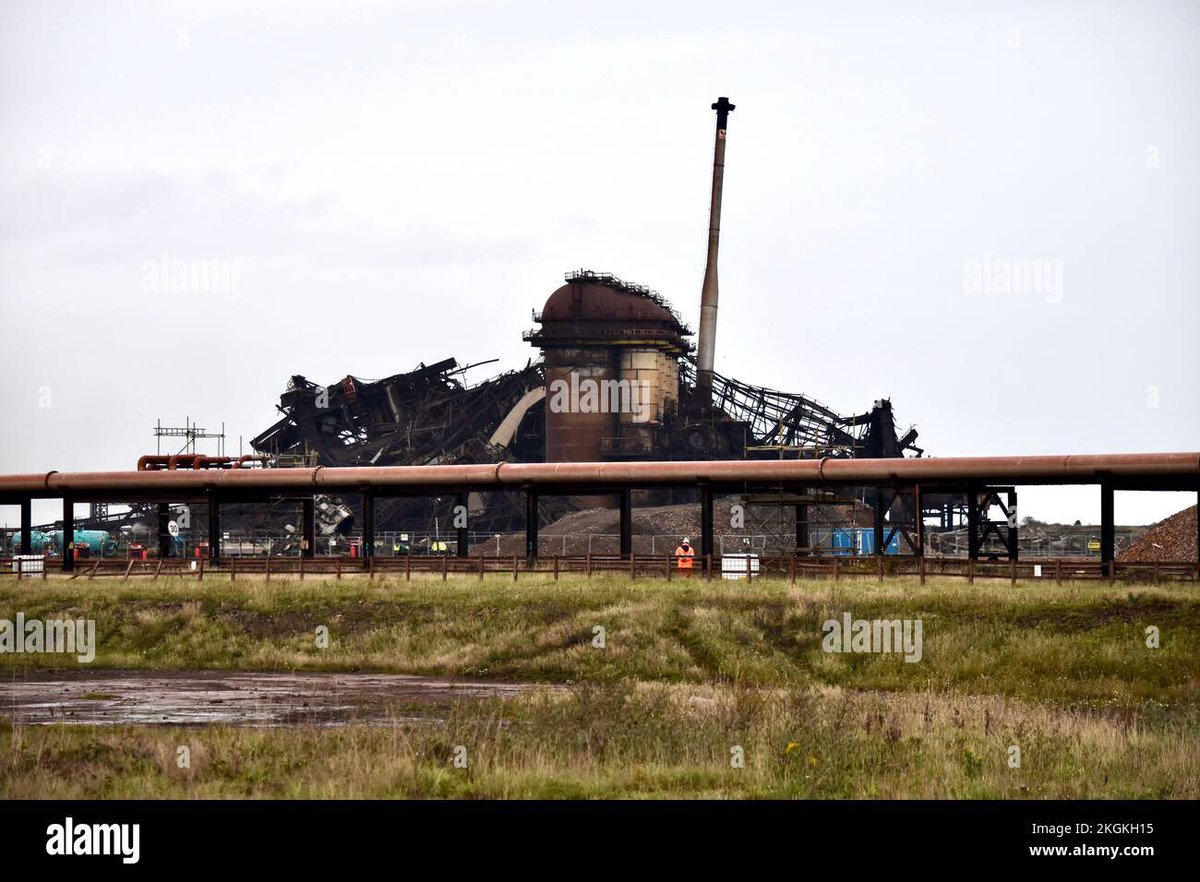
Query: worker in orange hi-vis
pixel 683 558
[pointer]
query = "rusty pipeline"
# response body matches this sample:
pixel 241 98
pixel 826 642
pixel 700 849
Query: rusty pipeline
pixel 1068 469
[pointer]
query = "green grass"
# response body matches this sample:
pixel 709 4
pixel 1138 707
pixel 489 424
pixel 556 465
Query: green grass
pixel 689 671
pixel 1081 644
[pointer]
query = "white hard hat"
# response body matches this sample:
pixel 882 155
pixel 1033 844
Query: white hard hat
pixel 687 541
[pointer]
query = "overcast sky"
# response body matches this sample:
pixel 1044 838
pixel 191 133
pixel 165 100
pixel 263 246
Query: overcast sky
pixel 391 183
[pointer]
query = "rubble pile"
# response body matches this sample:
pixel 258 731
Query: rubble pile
pixel 1171 540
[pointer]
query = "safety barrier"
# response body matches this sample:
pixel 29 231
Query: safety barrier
pixel 631 566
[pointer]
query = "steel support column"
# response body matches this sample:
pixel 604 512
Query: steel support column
pixel 214 527
pixel 531 523
pixel 919 504
pixel 164 532
pixel 878 523
pixel 368 531
pixel 626 523
pixel 706 521
pixel 460 517
pixel 68 540
pixel 1013 546
pixel 1108 532
pixel 973 521
pixel 308 527
pixel 26 526
pixel 802 528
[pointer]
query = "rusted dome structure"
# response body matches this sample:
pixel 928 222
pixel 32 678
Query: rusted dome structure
pixel 611 356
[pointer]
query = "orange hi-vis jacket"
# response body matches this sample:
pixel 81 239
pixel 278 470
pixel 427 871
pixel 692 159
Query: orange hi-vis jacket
pixel 683 557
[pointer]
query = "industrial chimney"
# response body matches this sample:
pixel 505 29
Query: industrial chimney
pixel 708 296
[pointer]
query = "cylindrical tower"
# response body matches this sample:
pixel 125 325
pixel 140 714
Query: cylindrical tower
pixel 611 352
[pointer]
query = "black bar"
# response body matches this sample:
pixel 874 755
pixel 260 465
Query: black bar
pixel 462 530
pixel 164 534
pixel 973 521
pixel 626 523
pixel 943 834
pixel 1108 532
pixel 368 530
pixel 531 523
pixel 308 514
pixel 214 527
pixel 26 526
pixel 68 540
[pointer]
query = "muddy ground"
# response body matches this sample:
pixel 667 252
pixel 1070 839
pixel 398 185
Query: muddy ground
pixel 105 698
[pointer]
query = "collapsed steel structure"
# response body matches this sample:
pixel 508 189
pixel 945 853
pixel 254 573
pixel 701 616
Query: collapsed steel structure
pixel 596 328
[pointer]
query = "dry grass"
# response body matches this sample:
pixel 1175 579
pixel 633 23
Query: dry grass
pixel 647 740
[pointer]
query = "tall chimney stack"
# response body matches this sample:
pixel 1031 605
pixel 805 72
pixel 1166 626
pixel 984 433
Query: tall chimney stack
pixel 708 296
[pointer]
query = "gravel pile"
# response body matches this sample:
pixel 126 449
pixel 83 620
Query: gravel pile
pixel 1171 540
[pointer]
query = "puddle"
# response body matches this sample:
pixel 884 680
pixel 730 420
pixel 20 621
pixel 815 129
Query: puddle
pixel 109 698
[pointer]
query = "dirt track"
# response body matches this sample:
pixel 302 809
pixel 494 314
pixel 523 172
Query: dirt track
pixel 105 698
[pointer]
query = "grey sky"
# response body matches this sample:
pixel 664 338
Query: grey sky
pixel 404 182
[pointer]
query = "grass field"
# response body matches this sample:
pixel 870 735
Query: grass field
pixel 691 676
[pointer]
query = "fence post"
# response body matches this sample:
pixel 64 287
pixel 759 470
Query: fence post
pixel 301 567
pixel 1112 572
pixel 632 566
pixel 879 566
pixel 970 571
pixel 708 566
pixel 792 570
pixel 669 568
pixel 268 567
pixel 837 569
pixel 589 559
pixel 200 575
pixel 481 563
pixel 556 568
pixel 1156 572
pixel 339 567
pixel 1012 572
pixel 922 569
pixel 408 567
pixel 445 566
